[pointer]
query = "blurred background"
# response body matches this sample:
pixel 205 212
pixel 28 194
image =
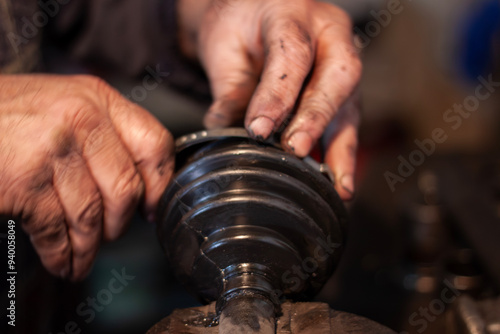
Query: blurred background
pixel 425 225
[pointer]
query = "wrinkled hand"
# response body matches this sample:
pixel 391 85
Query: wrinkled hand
pixel 280 58
pixel 75 160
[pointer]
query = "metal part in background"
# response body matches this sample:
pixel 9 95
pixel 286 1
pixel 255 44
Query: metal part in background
pixel 245 223
pixel 475 317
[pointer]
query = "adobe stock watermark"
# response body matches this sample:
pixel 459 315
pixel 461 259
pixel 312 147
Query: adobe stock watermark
pixel 87 309
pixel 150 81
pixel 453 118
pixel 382 19
pixel 425 315
pixel 31 26
pixel 297 275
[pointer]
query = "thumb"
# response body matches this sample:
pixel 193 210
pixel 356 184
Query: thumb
pixel 233 78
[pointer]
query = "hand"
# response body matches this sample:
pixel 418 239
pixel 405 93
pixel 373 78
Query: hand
pixel 75 160
pixel 281 58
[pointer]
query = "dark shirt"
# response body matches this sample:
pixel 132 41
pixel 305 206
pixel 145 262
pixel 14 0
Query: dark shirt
pixel 124 36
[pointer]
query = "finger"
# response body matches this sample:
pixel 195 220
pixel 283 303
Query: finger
pixel 43 220
pixel 341 148
pixel 289 50
pixel 111 167
pixel 150 145
pixel 83 208
pixel 337 72
pixel 233 76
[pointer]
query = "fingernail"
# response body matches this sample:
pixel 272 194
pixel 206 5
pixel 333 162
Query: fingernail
pixel 301 143
pixel 214 120
pixel 262 126
pixel 347 182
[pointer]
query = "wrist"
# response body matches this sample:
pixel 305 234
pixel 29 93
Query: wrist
pixel 190 15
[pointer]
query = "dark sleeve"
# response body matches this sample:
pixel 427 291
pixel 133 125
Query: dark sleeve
pixel 126 36
pixel 19 37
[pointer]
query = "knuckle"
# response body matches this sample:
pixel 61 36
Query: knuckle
pixel 343 57
pixel 356 68
pixel 318 111
pixel 294 41
pixel 280 104
pixel 156 139
pixel 346 66
pixel 90 217
pixel 334 13
pixel 95 138
pixel 346 52
pixel 91 81
pixel 73 103
pixel 342 17
pixel 81 116
pixel 46 227
pixel 157 147
pixel 298 33
pixel 94 88
pixel 321 97
pixel 85 114
pixel 62 142
pixel 300 56
pixel 129 187
pixel 27 182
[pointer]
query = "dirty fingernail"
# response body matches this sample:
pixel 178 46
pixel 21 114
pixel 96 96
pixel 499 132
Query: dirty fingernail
pixel 347 182
pixel 215 120
pixel 301 143
pixel 261 127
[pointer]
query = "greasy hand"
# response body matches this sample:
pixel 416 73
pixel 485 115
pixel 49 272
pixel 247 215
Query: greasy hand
pixel 292 62
pixel 75 160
